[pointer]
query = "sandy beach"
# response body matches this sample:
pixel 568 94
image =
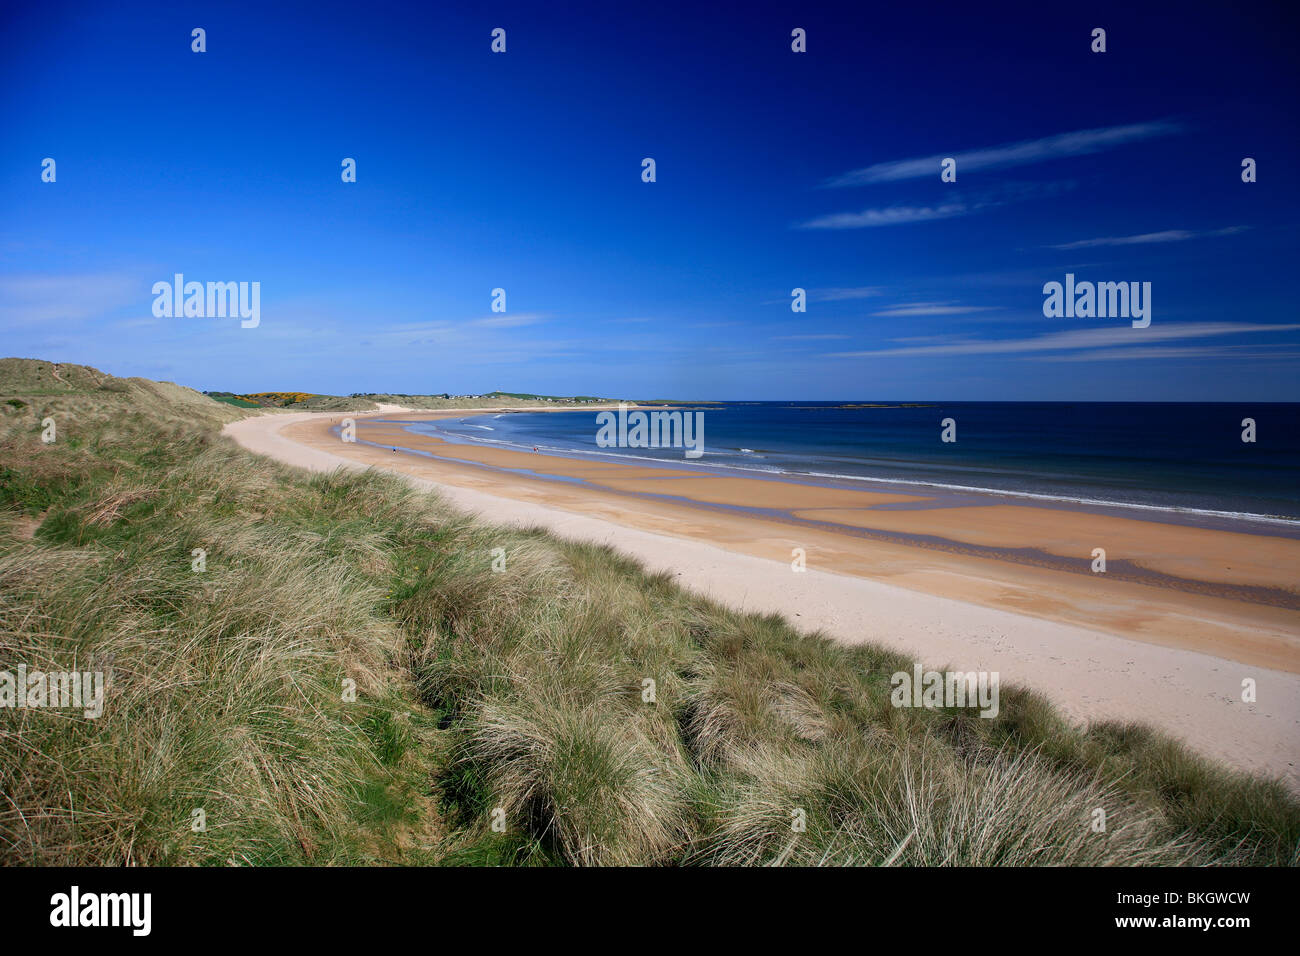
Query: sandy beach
pixel 1182 615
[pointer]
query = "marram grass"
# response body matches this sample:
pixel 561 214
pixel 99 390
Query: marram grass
pixel 571 709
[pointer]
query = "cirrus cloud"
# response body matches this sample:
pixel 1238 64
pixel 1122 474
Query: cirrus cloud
pixel 1062 145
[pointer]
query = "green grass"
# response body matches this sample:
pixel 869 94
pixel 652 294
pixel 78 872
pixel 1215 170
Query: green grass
pixel 234 400
pixel 499 718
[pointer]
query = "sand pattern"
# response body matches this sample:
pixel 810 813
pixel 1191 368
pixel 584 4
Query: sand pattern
pixel 1167 635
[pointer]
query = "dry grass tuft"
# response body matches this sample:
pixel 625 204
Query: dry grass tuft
pixel 600 713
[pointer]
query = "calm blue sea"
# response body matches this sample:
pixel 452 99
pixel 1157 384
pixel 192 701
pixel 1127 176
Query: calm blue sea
pixel 1186 457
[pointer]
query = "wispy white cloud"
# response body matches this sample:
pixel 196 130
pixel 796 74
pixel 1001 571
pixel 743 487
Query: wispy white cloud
pixel 933 308
pixel 1169 235
pixel 960 205
pixel 843 295
pixel 834 294
pixel 1023 153
pixel 892 216
pixel 1256 353
pixel 807 338
pixel 1077 339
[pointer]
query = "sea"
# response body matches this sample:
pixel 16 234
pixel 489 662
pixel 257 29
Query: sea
pixel 1173 457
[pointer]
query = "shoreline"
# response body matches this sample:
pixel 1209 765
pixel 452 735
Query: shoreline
pixel 1266 595
pixel 1099 648
pixel 1256 568
pixel 1272 524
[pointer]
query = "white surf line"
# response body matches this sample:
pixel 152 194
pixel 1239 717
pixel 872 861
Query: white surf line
pixel 809 478
pixel 1089 674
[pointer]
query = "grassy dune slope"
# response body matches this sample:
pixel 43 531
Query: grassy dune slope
pixel 516 696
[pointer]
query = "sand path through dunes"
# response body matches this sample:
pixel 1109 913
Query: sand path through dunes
pixel 1092 674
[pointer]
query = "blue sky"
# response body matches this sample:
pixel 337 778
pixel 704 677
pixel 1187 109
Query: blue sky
pixel 775 170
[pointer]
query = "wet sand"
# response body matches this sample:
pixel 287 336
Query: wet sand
pixel 1231 594
pixel 1167 634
